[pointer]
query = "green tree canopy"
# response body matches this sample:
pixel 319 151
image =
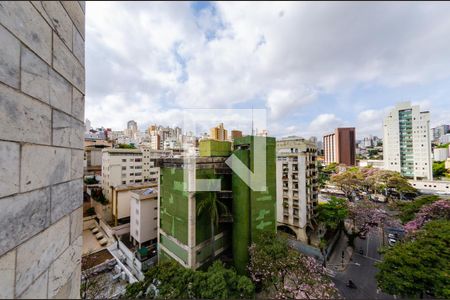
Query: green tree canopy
pixel 126 146
pixel 439 169
pixel 169 280
pixel 332 213
pixel 409 209
pixel 415 266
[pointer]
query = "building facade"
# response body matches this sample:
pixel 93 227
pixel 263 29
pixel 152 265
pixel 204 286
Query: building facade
pixel 407 143
pixel 329 148
pixel 254 212
pixel 441 154
pixel 297 191
pixel 144 215
pixel 219 133
pixel 42 86
pixel 186 235
pixel 439 131
pixel 119 167
pixel 340 146
pixel 236 134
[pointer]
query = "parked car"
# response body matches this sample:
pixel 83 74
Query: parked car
pixel 392 235
pixel 392 242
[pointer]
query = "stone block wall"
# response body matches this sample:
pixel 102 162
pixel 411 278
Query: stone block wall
pixel 42 87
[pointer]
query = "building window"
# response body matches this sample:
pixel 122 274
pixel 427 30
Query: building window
pixel 124 182
pixel 124 160
pixel 138 160
pixel 124 168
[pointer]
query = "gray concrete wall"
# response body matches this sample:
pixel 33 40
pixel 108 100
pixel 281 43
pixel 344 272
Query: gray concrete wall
pixel 42 86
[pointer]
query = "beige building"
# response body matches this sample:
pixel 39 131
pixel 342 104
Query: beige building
pixel 219 133
pixel 150 156
pixel 297 192
pixel 144 215
pixel 121 167
pixel 42 86
pixel 120 201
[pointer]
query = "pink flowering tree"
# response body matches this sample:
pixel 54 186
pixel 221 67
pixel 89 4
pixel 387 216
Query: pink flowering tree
pixel 366 215
pixel 280 272
pixel 434 211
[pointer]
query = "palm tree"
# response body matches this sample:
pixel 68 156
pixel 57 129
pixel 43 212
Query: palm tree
pixel 212 205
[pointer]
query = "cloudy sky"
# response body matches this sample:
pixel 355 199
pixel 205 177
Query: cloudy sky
pixel 312 66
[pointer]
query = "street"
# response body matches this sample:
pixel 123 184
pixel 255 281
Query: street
pixel 361 270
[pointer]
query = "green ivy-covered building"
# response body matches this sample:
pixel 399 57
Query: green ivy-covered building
pixel 185 233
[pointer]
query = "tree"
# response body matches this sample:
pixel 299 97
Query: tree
pixel 169 280
pixel 325 173
pixel 439 169
pixel 409 209
pixel 126 146
pixel 365 215
pixel 90 180
pixel 332 213
pixel 420 265
pixel 348 182
pixel 212 206
pixel 437 210
pixel 282 272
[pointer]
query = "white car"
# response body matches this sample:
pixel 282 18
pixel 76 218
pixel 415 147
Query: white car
pixel 392 242
pixel 391 236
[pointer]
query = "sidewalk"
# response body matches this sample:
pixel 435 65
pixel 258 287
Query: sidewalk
pixel 335 260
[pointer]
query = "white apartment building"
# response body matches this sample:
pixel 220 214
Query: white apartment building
pixel 329 148
pixel 297 193
pixel 440 154
pixel 444 139
pixel 407 143
pixel 144 215
pixel 150 171
pixel 119 167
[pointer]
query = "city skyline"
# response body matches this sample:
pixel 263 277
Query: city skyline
pixel 207 55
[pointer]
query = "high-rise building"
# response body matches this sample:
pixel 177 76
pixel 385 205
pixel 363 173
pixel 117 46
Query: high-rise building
pixel 42 90
pixel 155 141
pixel 236 134
pixel 339 147
pixel 131 129
pixel 254 212
pixel 297 194
pixel 406 141
pixel 87 125
pixel 440 131
pixel 185 234
pixel 219 133
pixel 120 166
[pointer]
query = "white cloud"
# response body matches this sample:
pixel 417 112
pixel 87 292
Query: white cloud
pixel 324 124
pixel 147 61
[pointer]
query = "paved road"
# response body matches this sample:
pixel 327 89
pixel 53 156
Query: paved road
pixel 371 244
pixel 363 275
